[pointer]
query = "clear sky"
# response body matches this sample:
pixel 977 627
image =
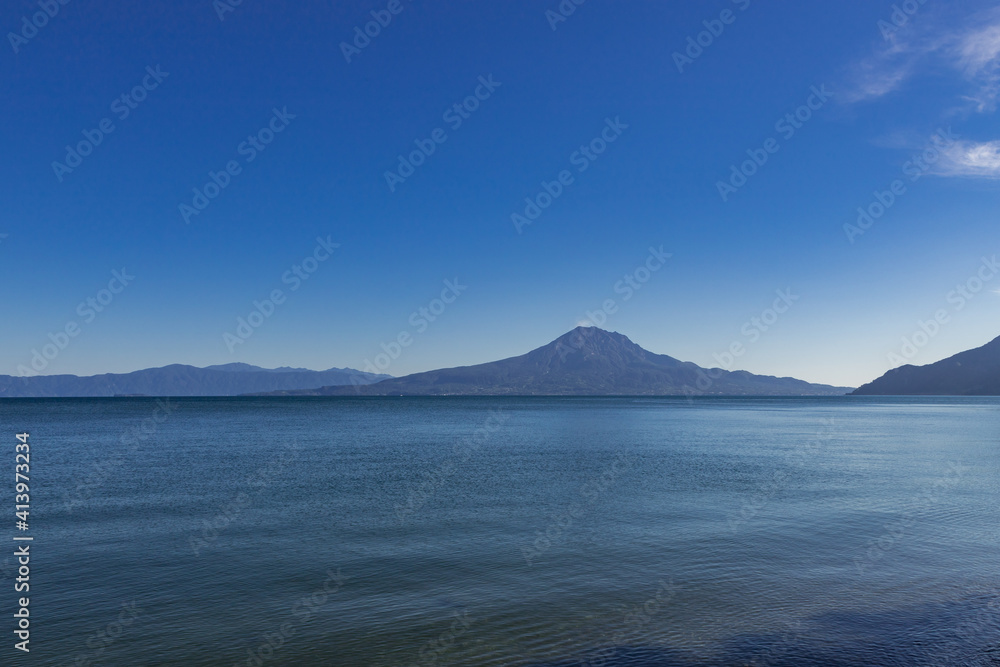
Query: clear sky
pixel 609 117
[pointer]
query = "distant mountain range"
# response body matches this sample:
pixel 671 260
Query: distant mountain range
pixel 180 380
pixel 971 373
pixel 584 362
pixel 587 361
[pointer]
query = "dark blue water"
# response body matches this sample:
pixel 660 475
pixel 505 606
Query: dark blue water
pixel 480 531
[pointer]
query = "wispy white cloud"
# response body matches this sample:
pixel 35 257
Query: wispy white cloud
pixel 978 55
pixel 933 44
pixel 973 51
pixel 970 158
pixel 876 78
pixel 979 49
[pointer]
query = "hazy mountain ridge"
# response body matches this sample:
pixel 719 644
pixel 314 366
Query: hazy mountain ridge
pixel 181 380
pixel 585 361
pixel 974 372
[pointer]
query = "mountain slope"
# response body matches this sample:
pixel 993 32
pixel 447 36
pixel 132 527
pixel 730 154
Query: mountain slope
pixel 970 373
pixel 181 380
pixel 585 361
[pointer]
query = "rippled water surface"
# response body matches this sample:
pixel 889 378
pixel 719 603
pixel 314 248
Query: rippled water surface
pixel 535 531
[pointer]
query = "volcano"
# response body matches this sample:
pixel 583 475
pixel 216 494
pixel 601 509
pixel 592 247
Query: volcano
pixel 586 361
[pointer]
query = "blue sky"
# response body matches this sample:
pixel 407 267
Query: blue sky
pixel 641 136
